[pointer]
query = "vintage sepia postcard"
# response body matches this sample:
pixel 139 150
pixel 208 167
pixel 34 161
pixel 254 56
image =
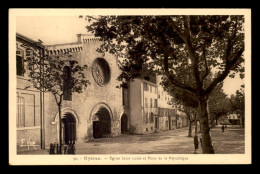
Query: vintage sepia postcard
pixel 129 86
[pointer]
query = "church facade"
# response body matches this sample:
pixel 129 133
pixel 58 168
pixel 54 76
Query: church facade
pixel 97 111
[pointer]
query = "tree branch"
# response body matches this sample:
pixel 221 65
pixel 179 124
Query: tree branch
pixel 55 97
pixel 194 58
pixel 206 65
pixel 178 31
pixel 228 67
pixel 173 80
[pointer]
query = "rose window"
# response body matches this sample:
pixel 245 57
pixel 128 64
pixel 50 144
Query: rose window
pixel 101 71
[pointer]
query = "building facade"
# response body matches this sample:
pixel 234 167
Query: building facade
pixel 143 106
pixel 167 119
pixel 29 109
pixel 97 111
pixel 234 119
pixel 149 108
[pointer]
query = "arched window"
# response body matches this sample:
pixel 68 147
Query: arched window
pixel 67 86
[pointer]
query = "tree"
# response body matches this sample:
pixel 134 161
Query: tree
pixel 59 75
pixel 238 104
pixel 218 104
pixel 185 49
pixel 186 103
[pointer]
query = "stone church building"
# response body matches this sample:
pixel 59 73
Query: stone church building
pixel 96 112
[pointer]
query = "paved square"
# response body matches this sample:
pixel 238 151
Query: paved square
pixel 169 142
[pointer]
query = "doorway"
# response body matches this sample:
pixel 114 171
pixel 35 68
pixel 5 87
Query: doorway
pixel 68 129
pixel 124 121
pixel 102 124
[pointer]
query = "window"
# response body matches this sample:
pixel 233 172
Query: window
pixel 145 86
pixel 151 118
pixel 20 113
pixel 19 66
pixel 151 103
pixel 155 103
pixel 25 114
pixel 124 91
pixel 146 102
pixel 67 92
pixel 157 122
pixel 145 118
pixel 101 71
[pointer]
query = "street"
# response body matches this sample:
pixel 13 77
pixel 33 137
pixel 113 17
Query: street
pixel 168 142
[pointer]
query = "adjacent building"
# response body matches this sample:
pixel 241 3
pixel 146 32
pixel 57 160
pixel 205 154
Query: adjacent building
pixel 143 106
pixel 234 119
pixel 166 119
pixel 30 105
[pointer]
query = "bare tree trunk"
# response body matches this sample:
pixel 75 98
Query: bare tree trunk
pixel 196 126
pixel 190 129
pixel 60 132
pixel 243 121
pixel 207 146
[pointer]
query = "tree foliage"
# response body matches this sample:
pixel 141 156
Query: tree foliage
pixel 237 103
pixel 218 104
pixel 174 46
pixel 47 74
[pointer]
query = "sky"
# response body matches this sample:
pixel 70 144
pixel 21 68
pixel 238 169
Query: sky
pixel 51 30
pixel 63 29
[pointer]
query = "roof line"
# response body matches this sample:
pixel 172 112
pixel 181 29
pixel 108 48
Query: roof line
pixel 74 43
pixel 29 40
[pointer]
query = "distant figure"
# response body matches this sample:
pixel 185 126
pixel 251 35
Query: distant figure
pixel 222 128
pixel 196 143
pixel 200 142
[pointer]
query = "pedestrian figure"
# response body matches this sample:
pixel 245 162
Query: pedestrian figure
pixel 196 143
pixel 222 127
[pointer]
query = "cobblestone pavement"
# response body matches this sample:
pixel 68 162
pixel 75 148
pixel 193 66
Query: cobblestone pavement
pixel 168 142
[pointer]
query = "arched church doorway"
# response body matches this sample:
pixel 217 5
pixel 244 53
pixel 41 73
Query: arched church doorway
pixel 68 129
pixel 124 121
pixel 101 123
